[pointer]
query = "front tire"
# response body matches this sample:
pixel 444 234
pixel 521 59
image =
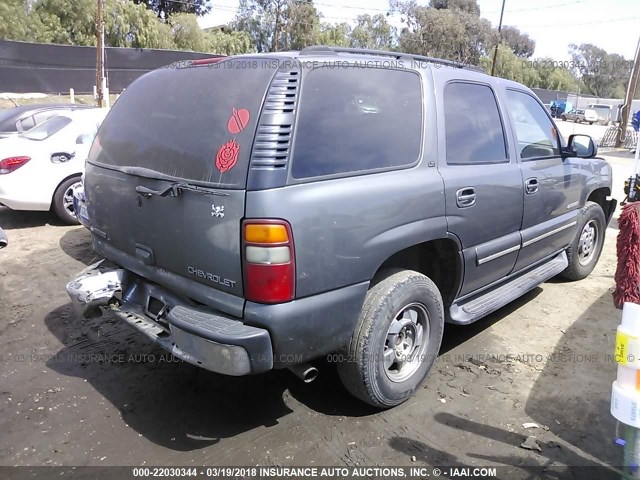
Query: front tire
pixel 396 340
pixel 585 250
pixel 63 201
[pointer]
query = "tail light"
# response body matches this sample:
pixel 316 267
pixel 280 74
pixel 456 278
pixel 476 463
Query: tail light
pixel 269 261
pixel 10 164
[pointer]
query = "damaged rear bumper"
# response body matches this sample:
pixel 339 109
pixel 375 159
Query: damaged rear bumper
pixel 205 339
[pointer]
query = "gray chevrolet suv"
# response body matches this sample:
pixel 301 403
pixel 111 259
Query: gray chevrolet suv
pixel 262 211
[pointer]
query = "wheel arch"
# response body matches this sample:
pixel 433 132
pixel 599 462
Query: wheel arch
pixel 439 259
pixel 68 177
pixel 599 195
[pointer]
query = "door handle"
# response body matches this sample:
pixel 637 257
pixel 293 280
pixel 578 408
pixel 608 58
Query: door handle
pixel 466 197
pixel 531 186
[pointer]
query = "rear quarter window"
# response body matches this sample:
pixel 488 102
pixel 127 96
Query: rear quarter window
pixel 357 120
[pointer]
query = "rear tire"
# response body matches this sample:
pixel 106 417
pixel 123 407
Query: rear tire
pixel 585 250
pixel 590 123
pixel 62 204
pixel 396 339
pixel 563 118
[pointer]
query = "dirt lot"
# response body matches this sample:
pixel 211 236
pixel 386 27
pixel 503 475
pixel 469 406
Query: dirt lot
pixel 76 392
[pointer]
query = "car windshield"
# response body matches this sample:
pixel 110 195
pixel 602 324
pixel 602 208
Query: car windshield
pixel 47 128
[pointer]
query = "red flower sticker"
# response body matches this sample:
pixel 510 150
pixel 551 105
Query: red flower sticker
pixel 227 156
pixel 238 120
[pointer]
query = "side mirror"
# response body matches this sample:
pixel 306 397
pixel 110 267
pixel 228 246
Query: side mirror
pixel 581 146
pixel 3 239
pixel 62 157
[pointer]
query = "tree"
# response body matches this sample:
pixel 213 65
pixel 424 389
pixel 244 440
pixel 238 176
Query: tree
pixel 130 25
pixel 278 24
pixel 187 34
pixel 262 20
pixel 229 42
pixel 602 73
pixel 554 78
pixel 511 67
pixel 449 33
pixel 301 26
pixel 521 44
pixel 15 21
pixel 67 22
pixel 373 32
pixel 164 9
pixel 466 6
pixel 335 34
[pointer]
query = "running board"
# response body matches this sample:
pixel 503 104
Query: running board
pixel 477 307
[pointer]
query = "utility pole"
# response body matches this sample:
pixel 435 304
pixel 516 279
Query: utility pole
pixel 631 92
pixel 495 52
pixel 100 58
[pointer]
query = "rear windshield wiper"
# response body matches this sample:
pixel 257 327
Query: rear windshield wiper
pixel 176 189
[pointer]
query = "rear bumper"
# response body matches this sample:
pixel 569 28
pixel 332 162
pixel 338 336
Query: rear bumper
pixel 26 199
pixel 268 336
pixel 205 339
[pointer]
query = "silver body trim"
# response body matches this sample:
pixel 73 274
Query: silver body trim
pixel 548 234
pixel 498 255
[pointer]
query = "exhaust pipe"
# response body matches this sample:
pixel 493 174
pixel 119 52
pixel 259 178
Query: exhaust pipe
pixel 3 239
pixel 304 372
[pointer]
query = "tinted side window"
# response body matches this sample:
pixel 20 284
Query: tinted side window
pixel 536 134
pixel 473 127
pixel 357 119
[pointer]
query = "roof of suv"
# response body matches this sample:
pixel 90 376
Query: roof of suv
pixel 329 53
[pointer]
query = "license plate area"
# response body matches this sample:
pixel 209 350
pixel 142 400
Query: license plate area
pixel 156 309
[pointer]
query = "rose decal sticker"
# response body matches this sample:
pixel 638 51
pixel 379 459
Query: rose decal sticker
pixel 227 156
pixel 238 120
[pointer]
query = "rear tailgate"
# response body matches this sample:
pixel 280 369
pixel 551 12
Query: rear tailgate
pixel 166 177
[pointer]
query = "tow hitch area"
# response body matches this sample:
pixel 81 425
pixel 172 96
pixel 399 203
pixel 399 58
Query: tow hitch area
pixel 95 287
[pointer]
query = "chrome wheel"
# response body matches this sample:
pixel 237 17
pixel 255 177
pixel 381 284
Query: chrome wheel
pixel 67 199
pixel 588 243
pixel 406 342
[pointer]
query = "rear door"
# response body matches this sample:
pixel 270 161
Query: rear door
pixel 166 176
pixel 552 186
pixel 483 185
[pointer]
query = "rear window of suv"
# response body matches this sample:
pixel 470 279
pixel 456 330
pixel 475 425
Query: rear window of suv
pixel 357 119
pixel 193 123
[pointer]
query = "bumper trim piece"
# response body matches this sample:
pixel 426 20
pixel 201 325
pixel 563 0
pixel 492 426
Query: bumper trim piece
pixel 224 333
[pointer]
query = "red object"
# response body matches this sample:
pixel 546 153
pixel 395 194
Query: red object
pixel 207 61
pixel 265 283
pixel 227 156
pixel 10 164
pixel 627 275
pixel 269 283
pixel 238 120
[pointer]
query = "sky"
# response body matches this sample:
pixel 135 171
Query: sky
pixel 613 25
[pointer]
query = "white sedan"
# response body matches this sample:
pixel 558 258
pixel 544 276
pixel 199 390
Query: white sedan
pixel 40 168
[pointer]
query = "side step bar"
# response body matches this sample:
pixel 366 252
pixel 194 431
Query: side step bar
pixel 470 310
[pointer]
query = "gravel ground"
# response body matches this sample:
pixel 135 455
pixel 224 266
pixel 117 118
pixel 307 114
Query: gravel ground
pixel 78 392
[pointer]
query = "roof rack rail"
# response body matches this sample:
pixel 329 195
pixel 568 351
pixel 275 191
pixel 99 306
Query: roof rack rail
pixel 324 49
